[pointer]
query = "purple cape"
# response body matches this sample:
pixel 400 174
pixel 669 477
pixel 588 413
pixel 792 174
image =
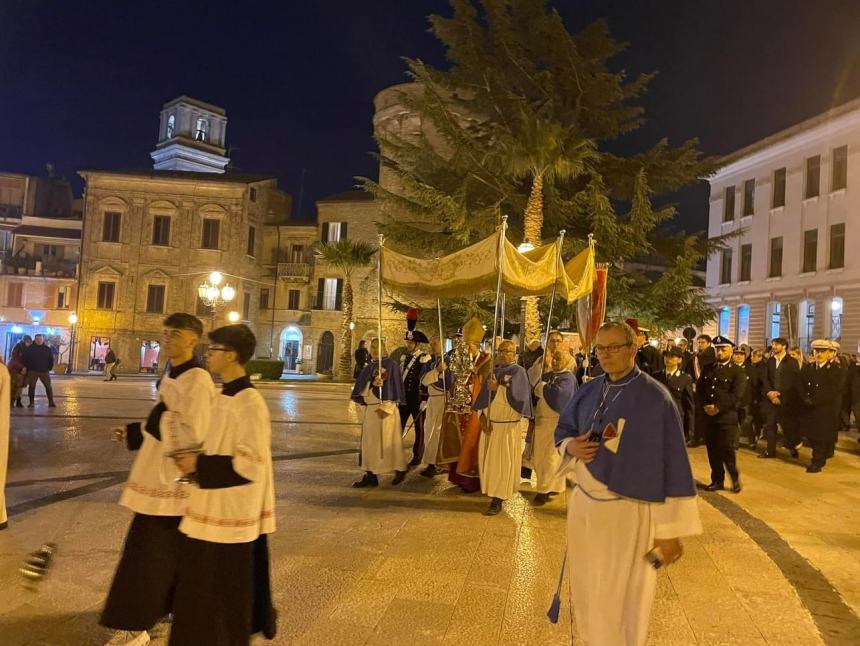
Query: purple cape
pixel 559 388
pixel 392 388
pixel 519 390
pixel 431 365
pixel 651 462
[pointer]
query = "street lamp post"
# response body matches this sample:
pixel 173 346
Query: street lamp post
pixel 214 295
pixel 73 320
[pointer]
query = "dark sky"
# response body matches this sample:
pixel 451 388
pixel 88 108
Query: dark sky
pixel 82 83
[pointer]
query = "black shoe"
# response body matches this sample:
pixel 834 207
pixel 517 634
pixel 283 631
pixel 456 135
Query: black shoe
pixel 715 487
pixel 369 480
pixel 768 456
pixel 414 463
pixel 692 444
pixel 31 405
pixel 18 404
pixel 430 471
pixel 541 499
pixel 812 469
pixel 494 508
pixel 399 476
pixel 52 405
pixel 793 452
pixel 737 487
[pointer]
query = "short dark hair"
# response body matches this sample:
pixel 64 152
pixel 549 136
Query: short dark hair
pixel 39 335
pixel 26 337
pixel 183 321
pixel 781 340
pixel 238 338
pixel 704 337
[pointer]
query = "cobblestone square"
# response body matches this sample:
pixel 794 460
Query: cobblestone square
pixel 419 564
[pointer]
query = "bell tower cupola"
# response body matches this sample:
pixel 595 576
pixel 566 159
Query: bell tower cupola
pixel 191 137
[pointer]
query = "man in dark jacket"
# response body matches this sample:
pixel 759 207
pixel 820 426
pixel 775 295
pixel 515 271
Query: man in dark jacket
pixel 782 401
pixel 680 386
pixel 722 387
pixel 739 358
pixel 822 396
pixel 756 371
pixel 702 361
pixel 39 360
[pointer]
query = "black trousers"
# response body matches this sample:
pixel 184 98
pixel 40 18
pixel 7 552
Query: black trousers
pixel 412 408
pixel 145 579
pixel 788 420
pixel 45 378
pixel 720 441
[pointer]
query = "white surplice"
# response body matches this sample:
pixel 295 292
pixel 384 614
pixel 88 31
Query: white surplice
pixel 611 583
pixel 381 440
pixel 545 458
pixel 433 416
pixel 500 452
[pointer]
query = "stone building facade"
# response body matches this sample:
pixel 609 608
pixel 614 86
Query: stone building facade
pixel 792 199
pixel 150 238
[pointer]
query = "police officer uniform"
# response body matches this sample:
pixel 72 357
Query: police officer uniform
pixel 680 386
pixel 411 366
pixel 822 398
pixel 722 388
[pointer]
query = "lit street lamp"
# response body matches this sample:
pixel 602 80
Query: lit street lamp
pixel 73 320
pixel 213 295
pixel 233 317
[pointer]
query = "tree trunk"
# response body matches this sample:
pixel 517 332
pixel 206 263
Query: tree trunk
pixel 344 371
pixel 532 225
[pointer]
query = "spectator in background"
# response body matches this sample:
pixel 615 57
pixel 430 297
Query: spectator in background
pixel 362 358
pixel 17 371
pixel 110 365
pixel 39 361
pixel 756 372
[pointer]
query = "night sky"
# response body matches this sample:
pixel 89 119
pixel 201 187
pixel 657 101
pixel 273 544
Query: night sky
pixel 82 83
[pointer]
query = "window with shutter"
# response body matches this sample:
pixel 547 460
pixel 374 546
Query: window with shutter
pixel 342 231
pixel 110 227
pixel 104 297
pixel 338 298
pixel 211 230
pixel 324 232
pixel 246 306
pixel 155 299
pixel 320 290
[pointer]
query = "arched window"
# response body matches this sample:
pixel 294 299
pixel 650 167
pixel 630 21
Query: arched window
pixel 836 318
pixel 743 335
pixel 171 126
pixel 201 132
pixel 725 316
pixel 774 319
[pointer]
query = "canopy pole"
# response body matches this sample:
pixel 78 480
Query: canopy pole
pixel 379 342
pixel 552 298
pixel 502 238
pixel 502 316
pixel 442 350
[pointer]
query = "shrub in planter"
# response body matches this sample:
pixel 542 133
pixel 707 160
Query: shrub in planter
pixel 267 368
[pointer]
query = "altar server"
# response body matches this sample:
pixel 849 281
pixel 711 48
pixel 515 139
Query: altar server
pixel 553 392
pixel 621 437
pixel 379 388
pixel 145 578
pixel 223 593
pixel 504 402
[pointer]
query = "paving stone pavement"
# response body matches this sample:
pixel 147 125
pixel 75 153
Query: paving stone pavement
pixel 418 564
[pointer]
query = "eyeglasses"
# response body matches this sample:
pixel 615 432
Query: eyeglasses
pixel 212 349
pixel 614 348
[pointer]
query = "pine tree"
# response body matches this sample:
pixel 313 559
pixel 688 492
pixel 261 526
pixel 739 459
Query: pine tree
pixel 524 122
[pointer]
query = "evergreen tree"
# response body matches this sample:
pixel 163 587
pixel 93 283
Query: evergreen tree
pixel 525 122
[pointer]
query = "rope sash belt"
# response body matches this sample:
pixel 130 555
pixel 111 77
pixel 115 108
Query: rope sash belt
pixel 590 497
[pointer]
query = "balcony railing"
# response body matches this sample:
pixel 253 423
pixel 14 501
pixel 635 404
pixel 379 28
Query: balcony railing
pixel 29 266
pixel 298 271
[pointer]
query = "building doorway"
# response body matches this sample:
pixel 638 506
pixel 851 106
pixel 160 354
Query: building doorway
pixel 325 352
pixel 99 346
pixel 291 348
pixel 149 351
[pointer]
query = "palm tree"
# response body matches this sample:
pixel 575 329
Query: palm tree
pixel 346 256
pixel 545 152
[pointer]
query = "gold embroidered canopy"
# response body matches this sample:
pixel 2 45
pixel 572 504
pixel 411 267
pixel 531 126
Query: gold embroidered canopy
pixel 475 269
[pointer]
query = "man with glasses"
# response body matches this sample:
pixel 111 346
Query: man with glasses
pixel 822 386
pixel 504 402
pixel 143 586
pixel 621 439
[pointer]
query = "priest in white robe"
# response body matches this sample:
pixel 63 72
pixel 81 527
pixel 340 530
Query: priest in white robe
pixel 436 378
pixel 622 439
pixel 504 402
pixel 553 392
pixel 379 388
